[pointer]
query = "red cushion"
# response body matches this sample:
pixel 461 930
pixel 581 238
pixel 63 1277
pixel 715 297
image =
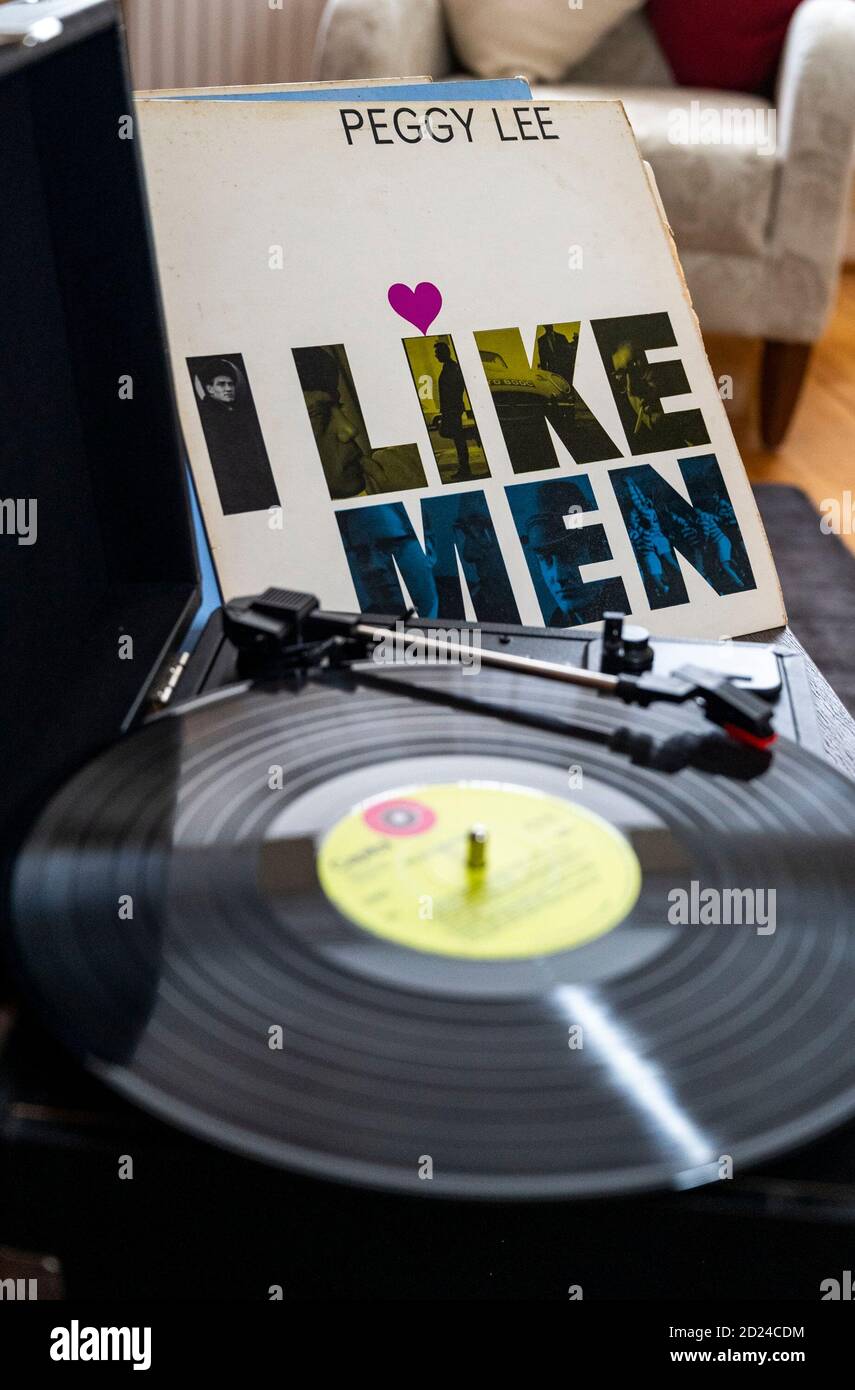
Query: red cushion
pixel 734 44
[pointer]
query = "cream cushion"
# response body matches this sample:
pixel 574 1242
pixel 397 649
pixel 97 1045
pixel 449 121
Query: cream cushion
pixel 538 39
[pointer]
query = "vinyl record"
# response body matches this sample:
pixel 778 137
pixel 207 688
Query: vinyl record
pixel 374 939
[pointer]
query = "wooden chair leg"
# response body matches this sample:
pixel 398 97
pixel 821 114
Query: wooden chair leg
pixel 782 375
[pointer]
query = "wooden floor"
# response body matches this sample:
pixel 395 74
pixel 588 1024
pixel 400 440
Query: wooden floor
pixel 818 454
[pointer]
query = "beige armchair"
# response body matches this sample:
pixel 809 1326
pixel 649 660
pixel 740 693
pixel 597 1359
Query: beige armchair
pixel 758 213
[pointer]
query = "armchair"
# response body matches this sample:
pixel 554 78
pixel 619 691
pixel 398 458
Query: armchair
pixel 758 217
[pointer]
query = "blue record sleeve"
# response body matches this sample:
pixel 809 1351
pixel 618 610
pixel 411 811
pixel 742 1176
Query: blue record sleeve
pixel 487 89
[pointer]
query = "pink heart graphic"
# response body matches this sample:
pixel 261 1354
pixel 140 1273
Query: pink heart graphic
pixel 419 306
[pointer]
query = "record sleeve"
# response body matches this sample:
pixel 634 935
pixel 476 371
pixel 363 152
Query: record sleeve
pixel 440 355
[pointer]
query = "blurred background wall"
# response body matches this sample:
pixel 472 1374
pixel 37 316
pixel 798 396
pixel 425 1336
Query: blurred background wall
pixel 205 43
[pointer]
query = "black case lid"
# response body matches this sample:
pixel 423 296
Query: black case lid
pixel 114 554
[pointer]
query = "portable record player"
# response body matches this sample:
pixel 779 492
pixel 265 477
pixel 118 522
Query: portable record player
pixel 138 781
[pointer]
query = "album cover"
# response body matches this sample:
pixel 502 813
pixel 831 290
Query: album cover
pixel 440 355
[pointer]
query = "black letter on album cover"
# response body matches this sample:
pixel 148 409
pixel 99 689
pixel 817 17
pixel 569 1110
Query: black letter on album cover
pixel 446 407
pixel 527 395
pixel 638 386
pixel 352 467
pixel 233 435
pixel 548 517
pixel 659 522
pixel 382 548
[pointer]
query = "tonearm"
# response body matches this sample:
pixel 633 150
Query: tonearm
pixel 283 630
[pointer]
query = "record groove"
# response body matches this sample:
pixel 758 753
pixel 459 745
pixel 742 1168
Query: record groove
pixel 710 1041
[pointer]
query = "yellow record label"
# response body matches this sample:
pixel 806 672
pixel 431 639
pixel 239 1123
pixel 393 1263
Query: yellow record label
pixel 406 867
